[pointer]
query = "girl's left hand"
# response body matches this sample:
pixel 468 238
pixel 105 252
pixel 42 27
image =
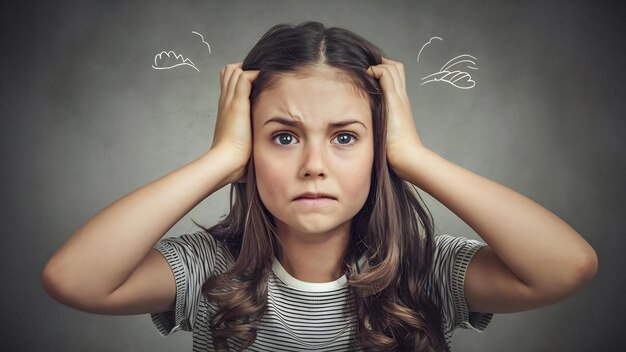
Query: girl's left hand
pixel 402 135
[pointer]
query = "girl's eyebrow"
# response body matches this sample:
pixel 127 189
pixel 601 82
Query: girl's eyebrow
pixel 298 124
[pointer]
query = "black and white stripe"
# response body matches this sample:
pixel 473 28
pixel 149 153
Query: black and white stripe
pixel 302 316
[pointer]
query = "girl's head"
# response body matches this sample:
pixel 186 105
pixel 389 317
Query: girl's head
pixel 316 76
pixel 313 130
pixel 312 77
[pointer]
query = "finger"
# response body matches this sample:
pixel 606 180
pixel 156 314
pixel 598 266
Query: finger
pixel 225 74
pixel 228 73
pixel 232 83
pixel 398 72
pixel 244 84
pixel 402 75
pixel 222 84
pixel 385 77
pixel 392 70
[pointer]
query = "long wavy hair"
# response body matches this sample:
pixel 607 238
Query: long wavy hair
pixel 393 231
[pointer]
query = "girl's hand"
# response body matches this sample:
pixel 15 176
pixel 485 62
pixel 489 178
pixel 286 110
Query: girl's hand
pixel 402 135
pixel 233 131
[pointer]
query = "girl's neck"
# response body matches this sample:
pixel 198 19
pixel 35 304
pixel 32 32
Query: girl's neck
pixel 314 257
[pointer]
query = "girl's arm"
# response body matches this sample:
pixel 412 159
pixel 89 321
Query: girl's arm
pixel 533 258
pixel 108 265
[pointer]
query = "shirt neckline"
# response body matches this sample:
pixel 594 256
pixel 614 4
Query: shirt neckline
pixel 291 281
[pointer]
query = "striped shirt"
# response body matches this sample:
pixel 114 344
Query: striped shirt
pixel 302 316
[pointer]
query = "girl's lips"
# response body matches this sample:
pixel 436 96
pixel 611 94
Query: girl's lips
pixel 315 195
pixel 315 202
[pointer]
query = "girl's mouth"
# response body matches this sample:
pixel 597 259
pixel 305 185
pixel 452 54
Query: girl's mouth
pixel 312 195
pixel 315 202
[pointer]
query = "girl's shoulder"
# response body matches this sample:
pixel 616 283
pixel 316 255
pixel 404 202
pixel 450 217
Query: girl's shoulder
pixel 200 246
pixel 450 247
pixel 445 286
pixel 451 257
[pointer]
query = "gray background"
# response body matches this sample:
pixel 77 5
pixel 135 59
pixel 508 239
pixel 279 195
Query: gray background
pixel 86 119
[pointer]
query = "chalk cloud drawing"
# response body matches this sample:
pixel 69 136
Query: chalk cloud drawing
pixel 171 60
pixel 423 46
pixel 448 72
pixel 207 44
pixel 166 60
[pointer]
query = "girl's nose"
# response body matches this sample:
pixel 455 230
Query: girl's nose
pixel 313 161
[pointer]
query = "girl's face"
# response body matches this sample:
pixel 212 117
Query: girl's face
pixel 313 134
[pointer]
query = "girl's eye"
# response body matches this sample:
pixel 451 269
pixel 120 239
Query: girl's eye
pixel 283 138
pixel 344 138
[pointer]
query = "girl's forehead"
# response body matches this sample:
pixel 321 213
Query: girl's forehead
pixel 320 95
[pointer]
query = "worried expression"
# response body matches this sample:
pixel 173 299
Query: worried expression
pixel 313 135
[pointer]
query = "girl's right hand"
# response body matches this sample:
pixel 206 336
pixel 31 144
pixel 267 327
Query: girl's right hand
pixel 233 131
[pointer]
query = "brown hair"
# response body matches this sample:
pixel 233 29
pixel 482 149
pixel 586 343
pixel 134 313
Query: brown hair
pixel 393 230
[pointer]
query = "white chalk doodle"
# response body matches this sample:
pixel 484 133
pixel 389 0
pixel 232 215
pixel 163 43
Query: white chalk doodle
pixel 459 79
pixel 423 46
pixel 207 44
pixel 161 63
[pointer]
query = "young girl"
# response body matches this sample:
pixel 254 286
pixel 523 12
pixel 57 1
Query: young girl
pixel 327 246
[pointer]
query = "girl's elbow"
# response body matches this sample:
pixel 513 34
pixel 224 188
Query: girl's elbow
pixel 583 265
pixel 60 287
pixel 583 270
pixel 579 272
pixel 588 266
pixel 53 283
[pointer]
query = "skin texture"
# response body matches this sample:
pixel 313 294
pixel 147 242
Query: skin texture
pixel 315 157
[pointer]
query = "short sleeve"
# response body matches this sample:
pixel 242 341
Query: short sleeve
pixel 192 260
pixel 451 259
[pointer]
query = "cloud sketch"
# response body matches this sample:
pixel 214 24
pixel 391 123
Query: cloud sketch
pixel 457 78
pixel 166 60
pixel 202 37
pixel 423 46
pixel 454 72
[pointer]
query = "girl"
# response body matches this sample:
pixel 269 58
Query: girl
pixel 326 246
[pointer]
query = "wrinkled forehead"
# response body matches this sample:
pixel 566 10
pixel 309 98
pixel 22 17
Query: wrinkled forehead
pixel 316 94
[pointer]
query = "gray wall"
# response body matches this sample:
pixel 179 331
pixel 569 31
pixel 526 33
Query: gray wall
pixel 86 119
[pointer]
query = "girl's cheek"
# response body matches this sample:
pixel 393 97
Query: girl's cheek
pixel 270 171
